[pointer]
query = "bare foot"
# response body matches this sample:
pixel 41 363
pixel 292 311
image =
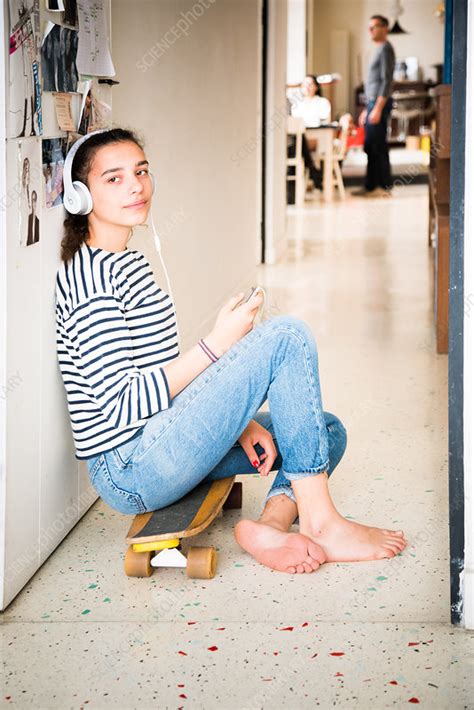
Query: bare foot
pixel 345 541
pixel 281 551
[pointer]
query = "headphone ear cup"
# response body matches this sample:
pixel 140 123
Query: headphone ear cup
pixel 79 199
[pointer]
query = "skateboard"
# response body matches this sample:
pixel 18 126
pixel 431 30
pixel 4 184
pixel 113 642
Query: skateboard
pixel 161 531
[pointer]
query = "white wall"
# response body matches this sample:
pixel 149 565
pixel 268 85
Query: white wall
pixel 45 489
pixel 425 39
pixel 469 335
pixel 3 307
pixel 296 49
pixel 193 94
pixel 192 88
pixel 275 130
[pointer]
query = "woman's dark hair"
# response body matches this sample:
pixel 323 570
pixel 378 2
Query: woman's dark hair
pixel 316 83
pixel 76 225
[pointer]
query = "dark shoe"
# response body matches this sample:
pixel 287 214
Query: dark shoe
pixel 381 192
pixel 376 192
pixel 362 192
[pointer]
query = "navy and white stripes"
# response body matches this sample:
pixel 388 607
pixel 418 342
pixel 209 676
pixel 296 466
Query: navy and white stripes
pixel 115 330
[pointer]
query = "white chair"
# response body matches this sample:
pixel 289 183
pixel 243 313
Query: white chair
pixel 338 154
pixel 340 149
pixel 295 127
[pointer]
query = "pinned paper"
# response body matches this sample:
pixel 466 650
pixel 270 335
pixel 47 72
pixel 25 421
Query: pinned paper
pixel 85 115
pixel 24 104
pixel 101 114
pixel 93 54
pixel 22 10
pixel 62 103
pixel 95 114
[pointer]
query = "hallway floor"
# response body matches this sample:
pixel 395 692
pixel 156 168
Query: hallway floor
pixel 375 634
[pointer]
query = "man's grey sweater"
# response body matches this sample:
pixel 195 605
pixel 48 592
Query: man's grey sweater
pixel 380 73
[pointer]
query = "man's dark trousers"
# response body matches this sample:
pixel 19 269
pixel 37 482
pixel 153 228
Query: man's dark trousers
pixel 375 145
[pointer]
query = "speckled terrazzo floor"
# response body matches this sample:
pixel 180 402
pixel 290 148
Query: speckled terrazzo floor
pixel 238 665
pixel 377 634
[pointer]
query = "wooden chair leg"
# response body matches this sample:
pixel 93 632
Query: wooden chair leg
pixel 300 185
pixel 338 179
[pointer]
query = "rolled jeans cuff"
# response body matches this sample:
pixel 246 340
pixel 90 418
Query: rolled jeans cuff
pixel 304 474
pixel 276 491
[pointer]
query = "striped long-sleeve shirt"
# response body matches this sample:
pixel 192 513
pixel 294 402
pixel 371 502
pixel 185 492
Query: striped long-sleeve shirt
pixel 115 330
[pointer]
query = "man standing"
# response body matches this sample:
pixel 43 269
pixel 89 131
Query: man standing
pixel 375 116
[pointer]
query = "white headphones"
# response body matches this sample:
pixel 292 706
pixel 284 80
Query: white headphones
pixel 78 200
pixel 77 196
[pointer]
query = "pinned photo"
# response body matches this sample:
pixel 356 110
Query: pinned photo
pixel 58 59
pixel 54 154
pixel 29 158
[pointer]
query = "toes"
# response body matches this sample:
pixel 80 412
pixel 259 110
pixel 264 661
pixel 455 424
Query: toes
pixel 307 567
pixel 387 552
pixel 299 569
pixel 392 548
pixel 313 563
pixel 291 570
pixel 398 533
pixel 316 552
pixel 400 544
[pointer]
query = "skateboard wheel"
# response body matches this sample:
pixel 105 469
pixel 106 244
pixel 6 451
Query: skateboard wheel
pixel 201 562
pixel 234 499
pixel 137 564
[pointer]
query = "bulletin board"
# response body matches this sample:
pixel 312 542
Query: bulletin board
pixel 58 55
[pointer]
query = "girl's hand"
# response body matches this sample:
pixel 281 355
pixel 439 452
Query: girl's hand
pixel 235 320
pixel 253 434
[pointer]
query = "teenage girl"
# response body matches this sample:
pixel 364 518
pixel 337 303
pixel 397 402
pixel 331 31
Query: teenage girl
pixel 153 423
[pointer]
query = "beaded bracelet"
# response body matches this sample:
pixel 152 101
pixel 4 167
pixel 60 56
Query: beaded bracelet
pixel 207 350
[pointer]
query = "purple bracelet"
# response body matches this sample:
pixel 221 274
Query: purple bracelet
pixel 208 352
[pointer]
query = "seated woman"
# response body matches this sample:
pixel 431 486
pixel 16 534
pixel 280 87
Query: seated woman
pixel 153 423
pixel 315 110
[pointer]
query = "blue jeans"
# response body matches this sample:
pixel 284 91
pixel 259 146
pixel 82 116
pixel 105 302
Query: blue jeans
pixel 196 438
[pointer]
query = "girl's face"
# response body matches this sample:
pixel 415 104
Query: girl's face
pixel 120 185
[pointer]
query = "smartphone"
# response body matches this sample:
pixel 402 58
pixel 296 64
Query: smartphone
pixel 255 289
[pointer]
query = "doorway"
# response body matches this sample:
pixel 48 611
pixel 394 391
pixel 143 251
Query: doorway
pixel 264 35
pixel 456 309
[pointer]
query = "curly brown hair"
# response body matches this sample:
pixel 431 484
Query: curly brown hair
pixel 76 226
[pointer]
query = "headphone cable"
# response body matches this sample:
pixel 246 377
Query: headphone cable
pixel 157 241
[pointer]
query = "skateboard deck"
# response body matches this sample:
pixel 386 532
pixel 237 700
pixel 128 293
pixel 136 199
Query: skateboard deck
pixel 161 531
